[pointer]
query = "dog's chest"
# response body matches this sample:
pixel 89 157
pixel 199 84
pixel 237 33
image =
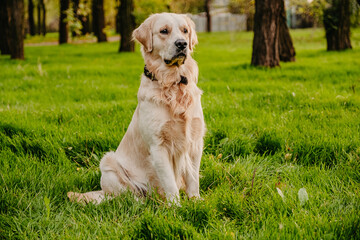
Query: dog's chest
pixel 178 134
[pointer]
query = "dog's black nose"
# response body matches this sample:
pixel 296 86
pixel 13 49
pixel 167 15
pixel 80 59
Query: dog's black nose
pixel 181 44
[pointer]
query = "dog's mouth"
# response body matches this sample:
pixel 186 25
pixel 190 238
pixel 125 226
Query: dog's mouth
pixel 177 60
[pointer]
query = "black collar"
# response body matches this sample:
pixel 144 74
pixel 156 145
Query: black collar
pixel 152 77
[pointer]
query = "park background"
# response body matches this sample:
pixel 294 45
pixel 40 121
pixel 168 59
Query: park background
pixel 282 149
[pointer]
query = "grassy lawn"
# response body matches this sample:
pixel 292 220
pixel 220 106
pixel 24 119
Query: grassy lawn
pixel 271 132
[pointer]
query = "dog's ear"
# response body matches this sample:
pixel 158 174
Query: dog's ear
pixel 143 34
pixel 192 33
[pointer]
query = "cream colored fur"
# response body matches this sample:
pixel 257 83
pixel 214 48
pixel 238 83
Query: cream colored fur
pixel 162 147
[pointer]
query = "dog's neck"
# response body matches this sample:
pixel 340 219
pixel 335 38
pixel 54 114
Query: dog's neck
pixel 152 77
pixel 167 90
pixel 168 76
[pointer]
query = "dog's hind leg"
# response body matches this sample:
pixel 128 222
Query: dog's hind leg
pixel 112 182
pixel 114 178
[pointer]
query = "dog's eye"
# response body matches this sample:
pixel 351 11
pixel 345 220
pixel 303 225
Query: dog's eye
pixel 164 31
pixel 185 30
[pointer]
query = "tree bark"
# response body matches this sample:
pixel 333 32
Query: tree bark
pixel 4 28
pixel 63 28
pixel 208 15
pixel 337 25
pixel 15 34
pixel 98 20
pixel 127 25
pixel 32 30
pixel 266 33
pixel 286 47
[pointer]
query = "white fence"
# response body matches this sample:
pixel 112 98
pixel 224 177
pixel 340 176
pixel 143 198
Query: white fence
pixel 221 22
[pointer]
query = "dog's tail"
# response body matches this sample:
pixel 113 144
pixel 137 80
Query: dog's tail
pixel 95 197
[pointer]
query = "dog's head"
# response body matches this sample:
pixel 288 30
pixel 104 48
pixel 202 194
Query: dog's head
pixel 168 36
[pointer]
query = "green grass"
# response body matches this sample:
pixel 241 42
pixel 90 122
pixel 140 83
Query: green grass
pixel 64 106
pixel 49 37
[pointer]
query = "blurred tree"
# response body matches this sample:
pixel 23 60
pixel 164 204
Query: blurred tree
pixel 144 8
pixel 307 13
pixel 77 17
pixel 208 15
pixel 38 17
pixel 75 6
pixel 43 20
pixel 98 20
pixel 41 17
pixel 12 28
pixel 355 16
pixel 244 7
pixel 186 6
pixel 286 47
pixel 83 13
pixel 337 25
pixel 63 28
pixel 127 25
pixel 117 16
pixel 266 33
pixel 31 18
pixel 4 28
pixel 73 22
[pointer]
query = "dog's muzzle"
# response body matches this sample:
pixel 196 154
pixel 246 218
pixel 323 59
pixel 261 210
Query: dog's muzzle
pixel 180 56
pixel 177 60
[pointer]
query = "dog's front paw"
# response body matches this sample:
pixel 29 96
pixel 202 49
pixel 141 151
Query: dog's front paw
pixel 174 200
pixel 197 198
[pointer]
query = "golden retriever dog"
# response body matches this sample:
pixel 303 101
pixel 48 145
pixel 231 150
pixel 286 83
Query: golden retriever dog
pixel 161 150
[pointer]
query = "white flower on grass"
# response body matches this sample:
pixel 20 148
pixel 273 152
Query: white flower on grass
pixel 303 196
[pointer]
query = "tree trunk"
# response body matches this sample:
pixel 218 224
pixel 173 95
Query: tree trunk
pixel 337 25
pixel 15 34
pixel 4 28
pixel 63 29
pixel 208 15
pixel 127 26
pixel 98 20
pixel 266 33
pixel 31 18
pixel 38 18
pixel 286 48
pixel 43 21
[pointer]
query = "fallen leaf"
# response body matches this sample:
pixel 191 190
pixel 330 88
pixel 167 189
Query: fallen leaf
pixel 303 196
